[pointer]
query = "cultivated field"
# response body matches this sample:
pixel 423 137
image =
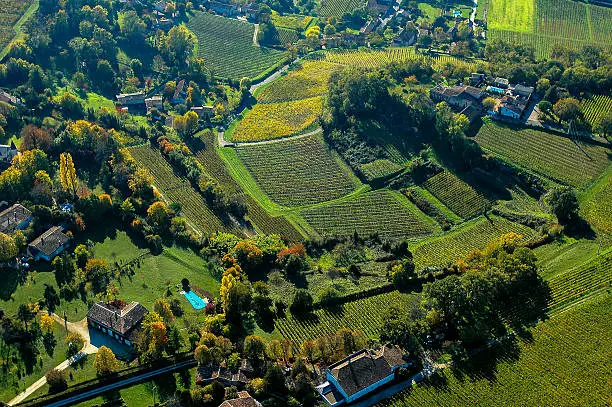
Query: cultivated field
pixel 595 107
pixel 457 195
pixel 227 47
pixel 277 120
pixel 473 235
pixel 387 213
pixel 554 156
pixel 298 172
pixel 566 363
pixel 306 80
pixel 379 169
pixel 596 203
pixel 291 21
pixel 177 189
pixel 337 8
pixel 364 315
pixel 511 15
pixel 10 12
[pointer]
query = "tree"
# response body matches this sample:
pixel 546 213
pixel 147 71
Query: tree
pixel 46 323
pixel 178 44
pixel 159 214
pixel 564 204
pixel 8 248
pixel 52 300
pixel 98 273
pixel 545 107
pixel 56 380
pixel 75 343
pixel 25 313
pixel 489 103
pixel 105 362
pixel 247 254
pixel 254 348
pixel 68 177
pixel 132 26
pixel 402 273
pixel 567 109
pixel 33 137
pixel 302 303
pixel 274 380
pixel 162 307
pixel 82 255
pixel 603 125
pixel 203 355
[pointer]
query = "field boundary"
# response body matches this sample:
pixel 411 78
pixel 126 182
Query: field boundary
pixel 17 28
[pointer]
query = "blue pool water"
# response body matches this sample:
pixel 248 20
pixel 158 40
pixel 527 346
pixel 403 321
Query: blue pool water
pixel 195 300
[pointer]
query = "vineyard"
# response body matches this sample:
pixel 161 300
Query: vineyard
pixel 291 21
pixel 227 47
pixel 10 13
pixel 387 213
pixel 457 195
pixel 566 363
pixel 297 172
pixel 473 235
pixel 277 120
pixel 337 8
pixel 556 157
pixel 307 79
pixel 365 315
pixel 595 107
pixel 596 204
pixel 177 189
pixel 287 36
pixel 379 169
pixel 572 24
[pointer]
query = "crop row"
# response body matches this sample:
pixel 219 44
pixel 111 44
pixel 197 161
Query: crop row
pixel 540 371
pixel 475 235
pixel 226 45
pixel 337 8
pixel 457 195
pixel 554 156
pixel 387 213
pixel 291 21
pixel 365 315
pixel 177 189
pixel 379 169
pixel 595 107
pixel 297 172
pixel 278 120
pixel 10 12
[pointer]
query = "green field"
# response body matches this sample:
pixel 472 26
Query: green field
pixel 595 107
pixel 568 362
pixel 385 212
pixel 227 47
pixel 291 21
pixel 550 155
pixel 298 172
pixel 177 189
pixel 473 235
pixel 511 15
pixel 336 8
pixel 10 13
pixel 457 195
pixel 596 203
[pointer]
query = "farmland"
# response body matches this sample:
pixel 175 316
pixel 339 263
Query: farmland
pixel 553 156
pixel 379 169
pixel 227 47
pixel 291 21
pixel 305 80
pixel 336 8
pixel 511 15
pixel 277 120
pixel 457 195
pixel 476 234
pixel 10 13
pixel 596 107
pixel 290 170
pixel 384 212
pixel 596 205
pixel 544 373
pixel 364 314
pixel 177 189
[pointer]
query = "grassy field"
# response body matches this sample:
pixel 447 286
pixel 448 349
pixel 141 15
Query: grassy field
pixel 290 171
pixel 456 194
pixel 227 47
pixel 365 315
pixel 177 189
pixel 596 203
pixel 557 257
pixel 385 212
pixel 511 15
pixel 305 80
pixel 476 234
pixel 10 14
pixel 550 155
pixel 277 120
pixel 566 363
pixel 291 21
pixel 336 8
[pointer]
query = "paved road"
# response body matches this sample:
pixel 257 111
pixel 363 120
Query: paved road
pixel 118 385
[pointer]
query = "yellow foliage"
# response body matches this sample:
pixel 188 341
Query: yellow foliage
pixel 46 323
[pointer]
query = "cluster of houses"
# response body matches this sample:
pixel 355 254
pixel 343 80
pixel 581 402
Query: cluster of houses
pixel 511 101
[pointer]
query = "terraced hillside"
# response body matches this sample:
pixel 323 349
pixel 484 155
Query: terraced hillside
pixel 457 195
pixel 553 156
pixel 227 47
pixel 298 172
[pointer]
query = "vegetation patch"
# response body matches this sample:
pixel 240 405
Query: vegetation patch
pixel 10 12
pixel 379 169
pixel 511 15
pixel 278 120
pixel 596 203
pixel 457 195
pixel 337 8
pixel 292 21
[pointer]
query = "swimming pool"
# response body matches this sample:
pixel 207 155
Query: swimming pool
pixel 195 300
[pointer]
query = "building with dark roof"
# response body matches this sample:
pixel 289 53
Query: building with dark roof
pixel 131 99
pixel 360 374
pixel 244 400
pixel 7 152
pixel 14 218
pixel 117 320
pixel 179 93
pixel 523 91
pixel 49 244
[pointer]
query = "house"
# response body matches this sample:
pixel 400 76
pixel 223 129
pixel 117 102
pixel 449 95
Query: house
pixel 131 99
pixel 204 111
pixel 512 107
pixel 14 218
pixel 8 98
pixel 360 374
pixel 369 26
pixel 476 79
pixel 457 96
pixel 49 244
pixel 160 6
pixel 244 400
pixel 501 83
pixel 116 319
pixel 405 37
pixel 154 102
pixel 7 152
pixel 229 10
pixel 179 93
pixel 164 23
pixel 523 91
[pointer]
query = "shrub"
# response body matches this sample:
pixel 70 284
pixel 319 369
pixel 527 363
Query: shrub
pixel 56 380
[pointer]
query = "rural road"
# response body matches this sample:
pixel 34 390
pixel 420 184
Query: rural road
pixel 270 78
pixel 223 143
pixel 88 349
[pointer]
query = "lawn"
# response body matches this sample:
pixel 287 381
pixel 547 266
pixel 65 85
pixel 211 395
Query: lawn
pixel 566 361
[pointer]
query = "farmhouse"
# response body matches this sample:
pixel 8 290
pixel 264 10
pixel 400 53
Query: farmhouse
pixel 7 152
pixel 131 99
pixel 204 111
pixel 116 319
pixel 523 91
pixel 360 374
pixel 154 102
pixel 179 93
pixel 476 79
pixel 49 244
pixel 8 98
pixel 14 218
pixel 512 107
pixel 502 83
pixel 244 400
pixel 457 96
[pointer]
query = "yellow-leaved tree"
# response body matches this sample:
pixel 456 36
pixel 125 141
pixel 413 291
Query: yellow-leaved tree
pixel 68 178
pixel 105 362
